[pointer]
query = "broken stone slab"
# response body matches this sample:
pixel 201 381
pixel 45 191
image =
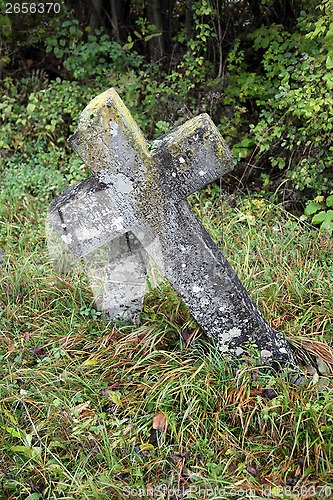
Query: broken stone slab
pixel 135 202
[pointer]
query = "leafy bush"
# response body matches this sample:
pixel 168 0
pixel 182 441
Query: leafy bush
pixel 36 123
pixel 282 108
pixel 150 91
pixel 88 56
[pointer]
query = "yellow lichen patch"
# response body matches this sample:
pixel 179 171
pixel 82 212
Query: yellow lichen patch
pixel 186 131
pixel 106 125
pixel 116 111
pixel 184 138
pixel 99 100
pixel 223 152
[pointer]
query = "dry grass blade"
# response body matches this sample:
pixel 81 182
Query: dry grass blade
pixel 316 348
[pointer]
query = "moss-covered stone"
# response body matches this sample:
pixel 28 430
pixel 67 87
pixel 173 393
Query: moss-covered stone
pixel 136 202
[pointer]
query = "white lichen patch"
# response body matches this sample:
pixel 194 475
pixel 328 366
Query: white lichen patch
pixel 204 301
pixel 235 332
pixel 239 351
pixel 226 337
pixel 113 129
pixel 85 233
pixel 123 184
pixel 67 238
pixel 140 235
pixel 118 223
pixel 266 354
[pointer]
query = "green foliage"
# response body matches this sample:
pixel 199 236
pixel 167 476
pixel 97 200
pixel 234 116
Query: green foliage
pixel 37 125
pixel 276 105
pixel 289 93
pixel 37 119
pixel 144 33
pixel 323 31
pixel 320 211
pixel 5 27
pixel 194 65
pixel 90 56
pixel 150 91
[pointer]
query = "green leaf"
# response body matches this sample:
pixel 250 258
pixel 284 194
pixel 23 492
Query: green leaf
pixel 73 30
pixel 22 449
pixel 312 208
pixel 329 80
pixel 115 397
pixel 58 52
pixel 150 37
pixel 128 46
pixel 243 149
pixel 327 225
pixel 265 42
pixel 146 447
pixel 329 61
pixel 90 362
pixel 326 220
pixel 11 417
pixel 18 433
pixel 318 218
pixel 31 108
pixel 329 201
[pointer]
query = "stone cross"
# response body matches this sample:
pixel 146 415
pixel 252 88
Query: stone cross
pixel 135 202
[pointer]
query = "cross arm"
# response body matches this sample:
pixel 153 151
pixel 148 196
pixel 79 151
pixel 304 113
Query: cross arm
pixel 194 154
pixel 88 215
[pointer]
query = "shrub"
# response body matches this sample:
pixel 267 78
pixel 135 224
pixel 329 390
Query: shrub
pixel 36 124
pixel 283 107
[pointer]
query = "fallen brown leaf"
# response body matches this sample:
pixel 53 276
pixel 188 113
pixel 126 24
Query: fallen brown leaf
pixel 159 422
pixel 39 351
pixel 251 470
pixel 269 393
pixel 66 283
pixel 26 336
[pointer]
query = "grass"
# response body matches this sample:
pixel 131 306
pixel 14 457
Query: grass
pixel 79 395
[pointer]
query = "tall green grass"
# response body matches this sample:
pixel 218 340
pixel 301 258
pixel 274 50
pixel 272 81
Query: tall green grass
pixel 79 395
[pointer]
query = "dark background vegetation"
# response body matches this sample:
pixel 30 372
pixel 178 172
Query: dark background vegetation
pixel 262 70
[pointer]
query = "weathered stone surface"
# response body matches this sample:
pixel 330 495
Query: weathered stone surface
pixel 136 202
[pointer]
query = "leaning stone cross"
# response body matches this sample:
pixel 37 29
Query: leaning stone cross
pixel 135 202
